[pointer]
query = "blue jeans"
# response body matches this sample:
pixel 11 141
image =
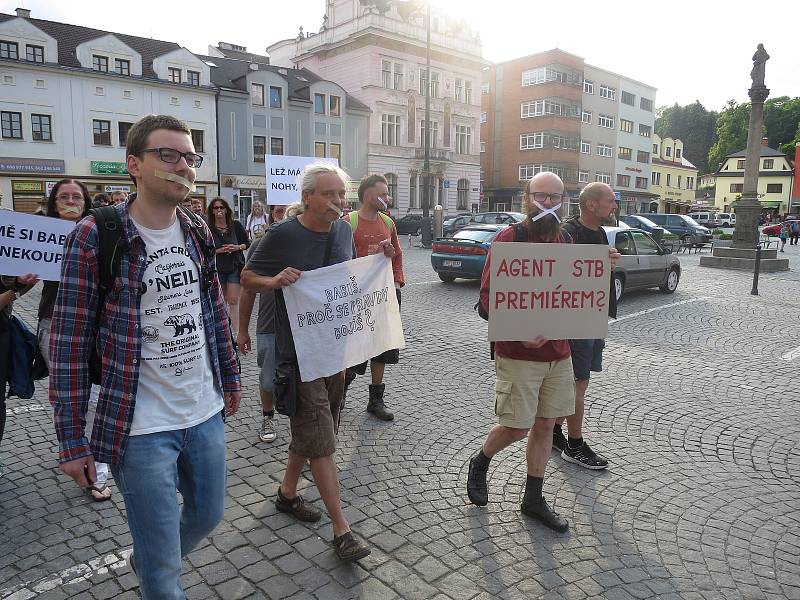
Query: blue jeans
pixel 153 469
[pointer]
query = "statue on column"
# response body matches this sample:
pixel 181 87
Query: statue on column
pixel 759 60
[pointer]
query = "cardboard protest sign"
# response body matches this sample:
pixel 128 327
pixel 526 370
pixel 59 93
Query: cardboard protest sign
pixel 283 173
pixel 32 244
pixel 343 314
pixel 559 291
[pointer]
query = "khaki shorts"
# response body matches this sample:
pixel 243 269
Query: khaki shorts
pixel 526 389
pixel 315 422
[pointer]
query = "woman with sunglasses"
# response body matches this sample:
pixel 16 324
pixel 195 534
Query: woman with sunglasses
pixel 231 240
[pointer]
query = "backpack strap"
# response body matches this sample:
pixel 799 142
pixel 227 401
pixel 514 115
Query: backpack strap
pixel 197 226
pixel 109 248
pixel 388 220
pixel 353 219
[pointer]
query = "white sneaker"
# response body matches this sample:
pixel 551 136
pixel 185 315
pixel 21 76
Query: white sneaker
pixel 267 431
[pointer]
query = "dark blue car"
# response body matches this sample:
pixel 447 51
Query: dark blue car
pixel 464 254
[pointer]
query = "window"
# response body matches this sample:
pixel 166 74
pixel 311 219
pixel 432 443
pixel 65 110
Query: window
pixel 530 141
pixel 256 94
pixel 740 163
pixel 605 121
pixel 644 130
pixel 737 188
pixel 626 125
pixel 586 147
pixel 174 74
pixel 468 92
pixel 677 153
pixel 334 106
pixel 588 86
pixel 319 104
pixel 586 117
pixel 690 183
pixel 319 149
pixel 198 140
pixel 9 50
pixel 34 53
pixel 641 183
pixel 483 117
pixel 193 78
pixel 669 179
pixel 390 130
pixel 655 149
pixel 627 98
pixel 768 163
pixel 123 129
pixel 679 181
pixel 276 146
pixel 40 128
pixel 259 148
pixel 483 147
pixel 434 87
pixel 484 88
pixel 655 178
pixel 668 151
pixel 412 191
pixel 583 176
pixel 646 104
pixel 101 132
pixel 525 172
pixel 623 180
pixel 335 151
pixel 386 74
pixel 608 92
pixel 603 177
pixel 538 108
pixel 642 156
pixel 644 245
pixel 122 67
pixel 100 63
pixel 604 150
pixel 624 153
pixel 463 139
pixel 434 133
pixel 458 90
pixel 398 76
pixel 462 194
pixel 275 97
pixel 774 188
pixel 534 76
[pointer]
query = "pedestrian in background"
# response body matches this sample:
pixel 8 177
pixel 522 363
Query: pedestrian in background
pixel 794 232
pixel 784 235
pixel 99 200
pixel 230 240
pixel 257 221
pixel 118 197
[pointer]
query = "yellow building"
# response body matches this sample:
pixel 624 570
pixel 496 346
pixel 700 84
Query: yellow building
pixel 672 177
pixel 774 180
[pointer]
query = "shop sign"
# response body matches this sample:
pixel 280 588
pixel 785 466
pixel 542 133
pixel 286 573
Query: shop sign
pixel 27 186
pixel 102 167
pixel 31 165
pixel 110 189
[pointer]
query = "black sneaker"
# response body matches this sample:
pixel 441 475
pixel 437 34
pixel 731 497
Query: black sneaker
pixel 559 439
pixel 542 512
pixel 477 490
pixel 584 456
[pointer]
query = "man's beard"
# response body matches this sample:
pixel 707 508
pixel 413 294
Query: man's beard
pixel 609 220
pixel 546 228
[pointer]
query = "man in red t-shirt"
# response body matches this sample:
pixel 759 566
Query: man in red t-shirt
pixel 373 231
pixel 534 379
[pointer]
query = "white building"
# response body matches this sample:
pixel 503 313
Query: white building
pixel 69 94
pixel 380 58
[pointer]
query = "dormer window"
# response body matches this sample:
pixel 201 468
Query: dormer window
pixel 122 66
pixel 34 53
pixel 174 74
pixel 9 50
pixel 100 63
pixel 193 78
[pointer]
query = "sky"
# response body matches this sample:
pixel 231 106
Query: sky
pixel 689 50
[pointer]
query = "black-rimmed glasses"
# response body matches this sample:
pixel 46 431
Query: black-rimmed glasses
pixel 541 196
pixel 172 156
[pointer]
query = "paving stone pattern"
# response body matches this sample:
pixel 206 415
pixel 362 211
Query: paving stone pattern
pixel 696 410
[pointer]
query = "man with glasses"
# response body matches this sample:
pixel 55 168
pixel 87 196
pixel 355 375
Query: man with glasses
pixel 598 207
pixel 373 232
pixel 534 382
pixel 167 361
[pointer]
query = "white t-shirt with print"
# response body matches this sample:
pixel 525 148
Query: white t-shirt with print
pixel 176 382
pixel 256 226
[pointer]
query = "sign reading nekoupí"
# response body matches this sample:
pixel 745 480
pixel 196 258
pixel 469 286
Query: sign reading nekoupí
pixel 559 291
pixel 32 244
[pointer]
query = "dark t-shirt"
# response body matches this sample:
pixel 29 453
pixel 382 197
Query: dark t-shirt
pixel 289 244
pixel 583 235
pixel 266 301
pixel 226 263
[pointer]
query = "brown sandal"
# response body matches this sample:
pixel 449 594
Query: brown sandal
pixel 98 488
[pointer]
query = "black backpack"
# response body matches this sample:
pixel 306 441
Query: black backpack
pixel 110 248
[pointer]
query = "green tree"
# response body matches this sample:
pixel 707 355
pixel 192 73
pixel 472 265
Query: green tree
pixel 694 125
pixel 781 120
pixel 732 126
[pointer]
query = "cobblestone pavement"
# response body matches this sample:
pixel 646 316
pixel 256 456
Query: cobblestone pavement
pixel 697 411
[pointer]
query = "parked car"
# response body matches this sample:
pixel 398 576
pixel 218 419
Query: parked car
pixel 450 226
pixel 727 219
pixel 644 224
pixel 411 224
pixel 464 254
pixel 775 229
pixel 501 218
pixel 644 263
pixel 707 219
pixel 686 228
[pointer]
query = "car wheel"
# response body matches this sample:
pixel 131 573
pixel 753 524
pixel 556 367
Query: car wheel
pixel 726 224
pixel 671 284
pixel 446 278
pixel 619 286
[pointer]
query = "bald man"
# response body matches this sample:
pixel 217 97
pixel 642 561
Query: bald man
pixel 598 207
pixel 534 378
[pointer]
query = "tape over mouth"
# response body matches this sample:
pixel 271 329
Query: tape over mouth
pixel 335 208
pixel 176 178
pixel 546 211
pixel 76 210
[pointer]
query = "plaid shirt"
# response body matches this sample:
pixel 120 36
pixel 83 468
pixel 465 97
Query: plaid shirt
pixel 76 328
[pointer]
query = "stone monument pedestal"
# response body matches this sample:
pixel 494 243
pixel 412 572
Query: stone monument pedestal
pixel 744 259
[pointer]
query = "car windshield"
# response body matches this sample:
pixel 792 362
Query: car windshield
pixel 645 222
pixel 691 221
pixel 476 235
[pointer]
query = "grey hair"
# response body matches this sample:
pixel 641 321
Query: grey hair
pixel 308 179
pixel 294 209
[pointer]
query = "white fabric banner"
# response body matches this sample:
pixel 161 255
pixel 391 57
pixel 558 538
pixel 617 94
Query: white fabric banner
pixel 343 314
pixel 283 175
pixel 32 244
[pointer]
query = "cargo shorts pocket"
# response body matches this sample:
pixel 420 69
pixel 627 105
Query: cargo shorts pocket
pixel 503 400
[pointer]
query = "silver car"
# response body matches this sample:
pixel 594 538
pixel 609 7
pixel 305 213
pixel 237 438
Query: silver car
pixel 643 264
